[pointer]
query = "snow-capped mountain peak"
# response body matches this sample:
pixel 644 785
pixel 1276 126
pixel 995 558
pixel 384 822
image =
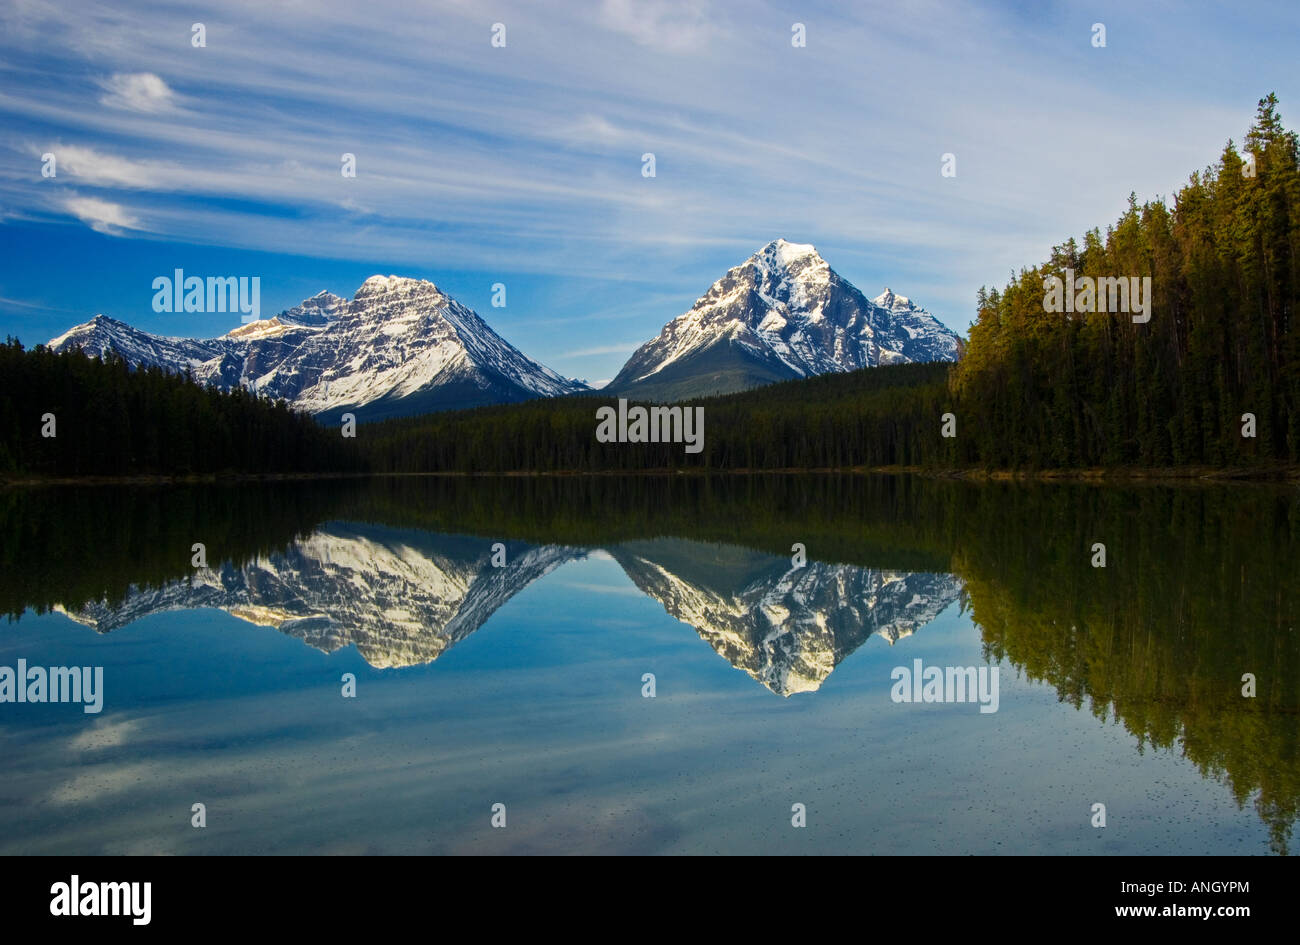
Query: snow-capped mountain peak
pixel 783 313
pixel 888 300
pixel 399 346
pixel 378 285
pixel 784 254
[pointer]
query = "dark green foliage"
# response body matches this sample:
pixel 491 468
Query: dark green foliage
pixel 1061 390
pixel 873 417
pixel 74 545
pixel 115 421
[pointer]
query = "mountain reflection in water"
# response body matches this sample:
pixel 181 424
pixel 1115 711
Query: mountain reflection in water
pixel 1201 587
pixel 402 597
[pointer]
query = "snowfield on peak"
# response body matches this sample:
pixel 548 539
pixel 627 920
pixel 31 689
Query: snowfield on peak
pixel 781 314
pixel 399 346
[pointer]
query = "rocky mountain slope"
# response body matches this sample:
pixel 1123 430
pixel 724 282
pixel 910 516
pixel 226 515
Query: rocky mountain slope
pixel 783 313
pixel 398 347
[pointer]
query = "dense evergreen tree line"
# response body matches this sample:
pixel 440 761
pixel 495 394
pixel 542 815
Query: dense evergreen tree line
pixel 1060 390
pixel 874 417
pixel 111 420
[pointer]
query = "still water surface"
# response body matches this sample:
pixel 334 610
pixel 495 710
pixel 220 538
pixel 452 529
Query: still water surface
pixel 500 632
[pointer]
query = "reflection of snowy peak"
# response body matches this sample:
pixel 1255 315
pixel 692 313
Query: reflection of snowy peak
pixel 398 346
pixel 786 627
pixel 400 597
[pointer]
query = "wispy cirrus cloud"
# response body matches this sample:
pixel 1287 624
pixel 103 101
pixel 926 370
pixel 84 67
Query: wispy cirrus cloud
pixel 753 138
pixel 96 168
pixel 624 349
pixel 526 160
pixel 673 26
pixel 103 216
pixel 137 92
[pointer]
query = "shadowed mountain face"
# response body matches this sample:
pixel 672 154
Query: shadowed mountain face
pixel 403 597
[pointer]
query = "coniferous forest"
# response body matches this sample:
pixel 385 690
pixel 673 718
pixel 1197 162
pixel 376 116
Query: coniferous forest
pixel 1212 379
pixel 1058 390
pixel 71 415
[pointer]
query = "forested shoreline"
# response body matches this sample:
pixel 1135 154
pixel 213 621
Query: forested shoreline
pixel 1222 342
pixel 1209 381
pixel 67 415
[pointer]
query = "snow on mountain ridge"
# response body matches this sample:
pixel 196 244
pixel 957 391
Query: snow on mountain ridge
pixel 785 253
pixel 399 345
pixel 786 313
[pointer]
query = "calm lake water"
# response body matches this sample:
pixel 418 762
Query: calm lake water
pixel 500 633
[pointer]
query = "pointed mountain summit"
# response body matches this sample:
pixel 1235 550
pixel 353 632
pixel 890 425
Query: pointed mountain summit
pixel 398 347
pixel 783 313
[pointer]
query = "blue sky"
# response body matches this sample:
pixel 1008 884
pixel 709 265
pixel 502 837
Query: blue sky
pixel 522 165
